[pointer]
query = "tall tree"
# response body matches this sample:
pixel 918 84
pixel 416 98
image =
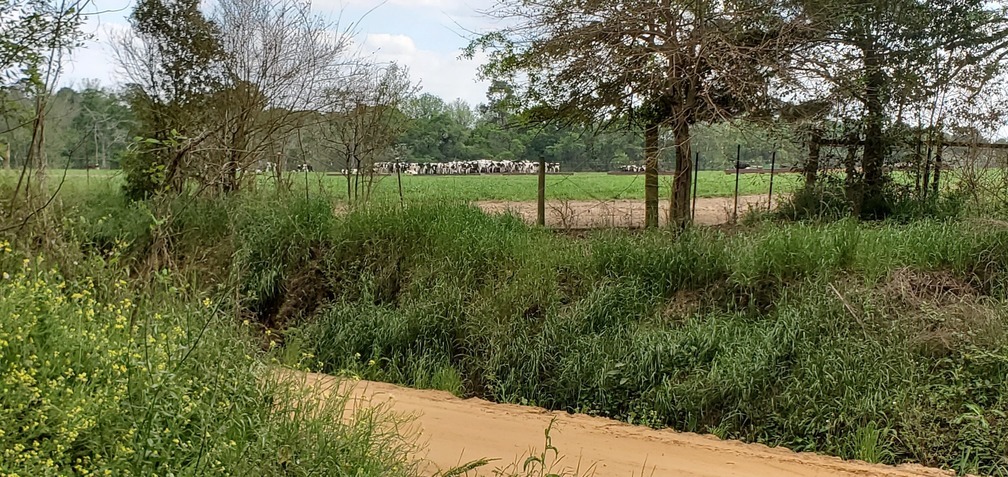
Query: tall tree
pixel 279 60
pixel 877 59
pixel 34 37
pixel 170 58
pixel 658 62
pixel 100 127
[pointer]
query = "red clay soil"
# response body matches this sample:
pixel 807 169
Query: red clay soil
pixel 455 431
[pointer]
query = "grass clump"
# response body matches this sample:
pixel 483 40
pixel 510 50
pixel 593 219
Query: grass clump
pixel 103 377
pixel 791 335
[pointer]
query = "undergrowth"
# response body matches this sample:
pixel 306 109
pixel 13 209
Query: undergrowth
pixel 103 376
pixel 884 342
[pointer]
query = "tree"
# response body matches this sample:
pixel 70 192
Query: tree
pixel 100 128
pixel 364 121
pixel 655 62
pixel 878 60
pixel 170 58
pixel 432 135
pixel 34 37
pixel 279 60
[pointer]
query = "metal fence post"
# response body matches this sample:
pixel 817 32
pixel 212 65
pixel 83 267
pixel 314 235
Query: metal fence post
pixel 696 175
pixel 773 163
pixel 738 164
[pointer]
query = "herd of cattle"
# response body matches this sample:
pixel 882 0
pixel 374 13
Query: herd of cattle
pixel 463 167
pixel 437 168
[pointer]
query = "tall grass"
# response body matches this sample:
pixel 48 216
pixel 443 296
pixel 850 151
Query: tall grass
pixel 796 335
pixel 104 377
pixel 885 342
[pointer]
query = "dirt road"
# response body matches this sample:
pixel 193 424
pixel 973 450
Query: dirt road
pixel 580 214
pixel 457 431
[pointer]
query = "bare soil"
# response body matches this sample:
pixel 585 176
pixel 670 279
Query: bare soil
pixel 623 213
pixel 452 431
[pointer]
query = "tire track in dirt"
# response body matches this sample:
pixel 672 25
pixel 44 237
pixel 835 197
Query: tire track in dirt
pixel 454 431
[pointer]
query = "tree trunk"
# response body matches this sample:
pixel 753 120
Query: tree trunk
pixel 927 173
pixel 541 193
pixel 938 168
pixel 812 164
pixel 872 199
pixel 651 175
pixel 96 162
pixel 37 155
pixel 680 210
pixel 850 162
pixel 5 154
pixel 918 161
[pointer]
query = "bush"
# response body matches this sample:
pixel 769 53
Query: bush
pixel 99 378
pixel 825 199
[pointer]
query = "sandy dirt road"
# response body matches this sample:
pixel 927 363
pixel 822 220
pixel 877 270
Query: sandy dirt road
pixel 454 431
pixel 623 213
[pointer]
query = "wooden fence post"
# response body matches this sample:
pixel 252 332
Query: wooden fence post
pixel 541 196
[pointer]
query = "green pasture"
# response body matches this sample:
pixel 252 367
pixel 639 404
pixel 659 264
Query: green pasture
pixel 574 186
pixel 578 186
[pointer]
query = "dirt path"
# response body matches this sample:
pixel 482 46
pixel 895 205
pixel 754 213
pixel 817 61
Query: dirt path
pixel 457 431
pixel 580 214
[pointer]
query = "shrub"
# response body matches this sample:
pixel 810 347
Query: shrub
pixel 100 378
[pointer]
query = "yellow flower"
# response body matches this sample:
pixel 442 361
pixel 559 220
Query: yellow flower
pixel 207 302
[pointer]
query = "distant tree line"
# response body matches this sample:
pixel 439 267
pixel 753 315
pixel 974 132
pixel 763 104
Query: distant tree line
pixel 214 93
pixel 93 126
pixel 88 127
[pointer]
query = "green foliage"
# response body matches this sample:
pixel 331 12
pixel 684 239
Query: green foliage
pixel 33 32
pixel 173 57
pixel 143 175
pixel 816 337
pixel 103 378
pixel 440 131
pixel 824 199
pixel 831 198
pixel 882 342
pixel 98 129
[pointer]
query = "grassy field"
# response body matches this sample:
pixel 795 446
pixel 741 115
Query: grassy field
pixel 579 186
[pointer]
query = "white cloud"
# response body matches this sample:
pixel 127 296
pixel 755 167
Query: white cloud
pixel 441 74
pixel 391 45
pixel 426 36
pixel 96 59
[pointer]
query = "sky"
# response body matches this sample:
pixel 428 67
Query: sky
pixel 427 36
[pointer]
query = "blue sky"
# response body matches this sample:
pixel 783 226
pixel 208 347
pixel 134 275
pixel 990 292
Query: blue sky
pixel 425 35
